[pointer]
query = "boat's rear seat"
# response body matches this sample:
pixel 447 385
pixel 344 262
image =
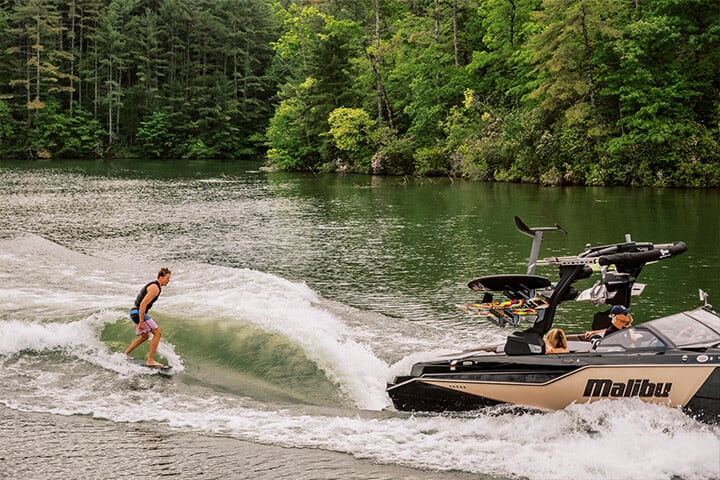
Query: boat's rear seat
pixel 573 346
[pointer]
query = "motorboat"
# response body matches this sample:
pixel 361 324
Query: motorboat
pixel 673 360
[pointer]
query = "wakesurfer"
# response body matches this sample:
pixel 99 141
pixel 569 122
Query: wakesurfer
pixel 144 324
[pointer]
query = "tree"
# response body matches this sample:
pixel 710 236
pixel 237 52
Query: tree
pixel 62 136
pixel 570 53
pixel 290 147
pixel 31 27
pixel 38 65
pixel 316 50
pixel 156 136
pixel 351 130
pixel 668 69
pixel 114 60
pixel 501 64
pixel 38 23
pixel 7 130
pixel 565 51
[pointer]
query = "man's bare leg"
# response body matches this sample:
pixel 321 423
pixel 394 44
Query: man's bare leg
pixel 136 343
pixel 153 348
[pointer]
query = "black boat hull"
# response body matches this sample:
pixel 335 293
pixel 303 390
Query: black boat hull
pixel 694 387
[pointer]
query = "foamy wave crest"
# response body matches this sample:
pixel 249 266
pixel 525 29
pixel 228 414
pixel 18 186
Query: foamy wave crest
pixel 78 339
pixel 607 439
pixel 583 441
pixel 292 309
pixel 16 336
pixel 77 285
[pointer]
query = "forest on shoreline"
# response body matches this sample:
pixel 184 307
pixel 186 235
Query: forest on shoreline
pixel 586 92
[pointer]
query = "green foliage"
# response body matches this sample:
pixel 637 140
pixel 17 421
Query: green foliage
pixel 351 130
pixel 474 141
pixel 201 64
pixel 196 148
pixel 394 154
pixel 664 85
pixel 431 161
pixel 547 91
pixel 315 51
pixel 594 92
pixel 7 129
pixel 59 136
pixel 289 149
pixel 155 135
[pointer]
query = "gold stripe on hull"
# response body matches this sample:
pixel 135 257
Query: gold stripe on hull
pixel 679 384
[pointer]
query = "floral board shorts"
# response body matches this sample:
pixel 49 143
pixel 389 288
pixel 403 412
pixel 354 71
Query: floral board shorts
pixel 149 322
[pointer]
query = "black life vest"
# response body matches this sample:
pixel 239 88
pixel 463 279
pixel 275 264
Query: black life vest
pixel 143 292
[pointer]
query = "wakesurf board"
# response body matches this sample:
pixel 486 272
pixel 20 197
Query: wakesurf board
pixel 165 369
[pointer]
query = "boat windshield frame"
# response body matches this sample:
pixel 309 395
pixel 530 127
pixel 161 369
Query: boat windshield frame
pixel 696 328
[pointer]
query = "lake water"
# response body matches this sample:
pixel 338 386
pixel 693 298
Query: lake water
pixel 294 298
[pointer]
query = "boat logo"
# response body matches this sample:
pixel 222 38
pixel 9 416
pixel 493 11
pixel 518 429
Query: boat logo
pixel 633 388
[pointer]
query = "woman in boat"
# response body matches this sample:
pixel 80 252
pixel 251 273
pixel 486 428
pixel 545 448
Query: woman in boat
pixel 556 341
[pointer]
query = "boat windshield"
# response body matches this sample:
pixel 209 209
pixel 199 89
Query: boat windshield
pixel 630 339
pixel 697 327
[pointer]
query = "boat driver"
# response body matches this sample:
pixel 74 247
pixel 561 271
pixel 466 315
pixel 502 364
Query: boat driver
pixel 620 318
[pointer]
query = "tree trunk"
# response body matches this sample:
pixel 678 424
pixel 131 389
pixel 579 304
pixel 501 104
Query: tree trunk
pixel 378 82
pixel 37 48
pixel 455 33
pixel 110 105
pixel 116 134
pixel 382 93
pixel 588 59
pixel 72 52
pixel 96 74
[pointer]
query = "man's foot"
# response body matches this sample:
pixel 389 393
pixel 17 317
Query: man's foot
pixel 154 364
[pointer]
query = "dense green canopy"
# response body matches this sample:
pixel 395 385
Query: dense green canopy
pixel 162 78
pixel 596 92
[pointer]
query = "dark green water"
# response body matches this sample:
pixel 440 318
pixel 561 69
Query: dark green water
pixel 295 296
pixel 420 241
pixel 401 246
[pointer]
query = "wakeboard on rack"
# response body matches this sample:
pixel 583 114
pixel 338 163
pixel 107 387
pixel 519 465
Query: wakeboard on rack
pixel 523 301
